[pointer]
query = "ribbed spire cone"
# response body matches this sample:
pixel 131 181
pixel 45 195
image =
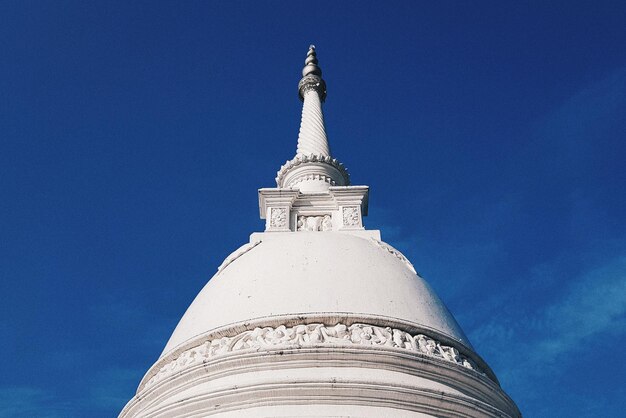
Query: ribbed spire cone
pixel 312 138
pixel 312 170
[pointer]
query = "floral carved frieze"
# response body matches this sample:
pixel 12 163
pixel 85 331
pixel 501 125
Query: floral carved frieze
pixel 308 335
pixel 315 223
pixel 278 218
pixel 351 216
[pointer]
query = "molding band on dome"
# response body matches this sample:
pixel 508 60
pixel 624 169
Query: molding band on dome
pixel 236 254
pixel 310 335
pixel 396 253
pixel 399 397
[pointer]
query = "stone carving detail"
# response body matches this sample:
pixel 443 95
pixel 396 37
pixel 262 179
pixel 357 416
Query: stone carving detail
pixel 278 218
pixel 396 253
pixel 351 216
pixel 312 82
pixel 307 335
pixel 305 159
pixel 315 223
pixel 319 177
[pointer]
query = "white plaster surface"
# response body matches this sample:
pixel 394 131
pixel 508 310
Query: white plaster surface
pixel 315 272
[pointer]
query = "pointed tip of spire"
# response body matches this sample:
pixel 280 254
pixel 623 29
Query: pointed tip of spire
pixel 310 64
pixel 311 76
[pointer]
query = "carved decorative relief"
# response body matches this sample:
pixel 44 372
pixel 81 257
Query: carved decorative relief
pixel 351 216
pixel 320 177
pixel 278 218
pixel 315 223
pixel 307 335
pixel 312 82
pixel 304 159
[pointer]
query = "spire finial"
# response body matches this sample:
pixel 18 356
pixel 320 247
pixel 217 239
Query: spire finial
pixel 310 64
pixel 312 76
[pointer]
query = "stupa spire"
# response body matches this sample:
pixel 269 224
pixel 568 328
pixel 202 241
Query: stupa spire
pixel 312 139
pixel 312 169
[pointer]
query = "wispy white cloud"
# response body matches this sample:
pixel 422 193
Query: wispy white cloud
pixel 566 312
pixel 144 325
pixel 110 375
pixel 111 388
pixel 16 402
pixel 589 110
pixel 594 304
pixel 590 306
pixel 106 390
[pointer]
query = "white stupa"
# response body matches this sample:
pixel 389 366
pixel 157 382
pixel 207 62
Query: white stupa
pixel 316 316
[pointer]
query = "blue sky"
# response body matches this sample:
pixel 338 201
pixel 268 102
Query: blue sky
pixel 134 137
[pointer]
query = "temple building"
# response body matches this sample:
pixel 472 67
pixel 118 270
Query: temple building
pixel 317 316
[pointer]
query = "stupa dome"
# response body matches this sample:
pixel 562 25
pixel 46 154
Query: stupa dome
pixel 342 275
pixel 316 316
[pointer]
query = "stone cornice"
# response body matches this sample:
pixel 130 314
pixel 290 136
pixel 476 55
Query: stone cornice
pixel 225 383
pixel 315 390
pixel 362 395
